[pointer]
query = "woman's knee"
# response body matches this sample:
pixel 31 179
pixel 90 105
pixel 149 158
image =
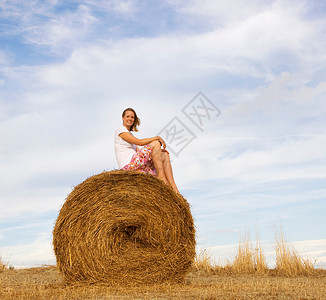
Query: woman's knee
pixel 155 144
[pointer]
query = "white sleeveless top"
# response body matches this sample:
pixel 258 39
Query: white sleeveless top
pixel 123 150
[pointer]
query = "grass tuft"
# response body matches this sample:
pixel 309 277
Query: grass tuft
pixel 288 261
pixel 203 262
pixel 3 266
pixel 248 259
pixel 251 260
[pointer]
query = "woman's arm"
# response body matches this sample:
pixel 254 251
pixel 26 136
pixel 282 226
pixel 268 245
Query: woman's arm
pixel 140 142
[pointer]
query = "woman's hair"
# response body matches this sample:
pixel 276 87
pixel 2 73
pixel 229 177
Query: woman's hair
pixel 136 121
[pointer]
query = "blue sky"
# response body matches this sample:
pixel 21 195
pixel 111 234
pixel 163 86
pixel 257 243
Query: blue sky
pixel 69 68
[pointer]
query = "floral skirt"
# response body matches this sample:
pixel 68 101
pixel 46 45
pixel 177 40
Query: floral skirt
pixel 142 161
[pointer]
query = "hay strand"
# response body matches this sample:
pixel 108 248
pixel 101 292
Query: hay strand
pixel 124 227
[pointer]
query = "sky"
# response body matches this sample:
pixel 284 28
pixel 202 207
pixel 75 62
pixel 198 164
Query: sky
pixel 244 81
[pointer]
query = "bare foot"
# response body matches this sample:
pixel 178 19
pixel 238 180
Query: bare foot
pixel 177 191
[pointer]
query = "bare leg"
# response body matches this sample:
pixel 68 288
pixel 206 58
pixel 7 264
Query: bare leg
pixel 168 170
pixel 157 159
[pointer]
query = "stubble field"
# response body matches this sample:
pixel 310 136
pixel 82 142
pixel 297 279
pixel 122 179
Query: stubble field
pixel 46 283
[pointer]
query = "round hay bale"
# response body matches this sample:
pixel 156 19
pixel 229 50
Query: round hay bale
pixel 124 227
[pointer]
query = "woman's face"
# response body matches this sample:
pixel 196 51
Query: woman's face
pixel 128 119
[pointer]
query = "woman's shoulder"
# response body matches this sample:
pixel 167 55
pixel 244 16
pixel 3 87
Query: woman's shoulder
pixel 121 129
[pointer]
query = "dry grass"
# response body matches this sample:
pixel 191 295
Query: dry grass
pixel 126 227
pixel 251 260
pixel 288 261
pixel 3 266
pixel 47 283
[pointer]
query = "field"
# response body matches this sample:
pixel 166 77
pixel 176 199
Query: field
pixel 46 283
pixel 246 277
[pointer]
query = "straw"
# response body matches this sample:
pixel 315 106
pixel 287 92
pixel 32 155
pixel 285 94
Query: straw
pixel 124 227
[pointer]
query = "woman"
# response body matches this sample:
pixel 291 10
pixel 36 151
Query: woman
pixel 150 159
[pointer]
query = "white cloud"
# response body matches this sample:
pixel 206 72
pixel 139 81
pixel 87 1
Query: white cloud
pixel 125 8
pixel 36 253
pixel 275 33
pixel 275 133
pixel 69 109
pixel 32 201
pixel 3 58
pixel 56 28
pixel 62 31
pixel 254 30
pixel 39 24
pixel 278 160
pixel 221 12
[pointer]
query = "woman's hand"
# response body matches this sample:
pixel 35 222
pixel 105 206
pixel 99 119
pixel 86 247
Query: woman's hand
pixel 164 150
pixel 161 142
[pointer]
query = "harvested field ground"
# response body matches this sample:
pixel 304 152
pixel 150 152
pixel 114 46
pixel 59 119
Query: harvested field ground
pixel 47 283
